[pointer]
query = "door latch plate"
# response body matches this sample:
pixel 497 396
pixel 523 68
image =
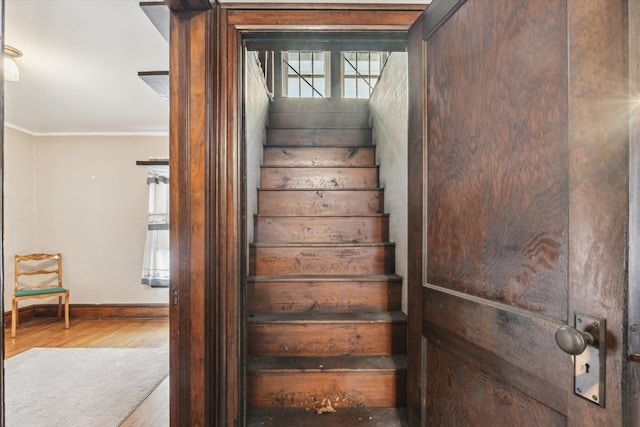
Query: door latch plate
pixel 589 366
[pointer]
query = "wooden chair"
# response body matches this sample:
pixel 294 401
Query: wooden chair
pixel 48 268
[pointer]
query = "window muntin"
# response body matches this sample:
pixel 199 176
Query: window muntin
pixel 360 71
pixel 306 74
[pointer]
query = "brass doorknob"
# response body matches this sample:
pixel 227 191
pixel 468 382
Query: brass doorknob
pixel 573 341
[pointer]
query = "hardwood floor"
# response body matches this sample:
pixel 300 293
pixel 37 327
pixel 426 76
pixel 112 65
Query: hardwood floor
pixel 125 333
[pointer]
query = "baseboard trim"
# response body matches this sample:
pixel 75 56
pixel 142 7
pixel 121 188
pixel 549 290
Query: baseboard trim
pixel 93 311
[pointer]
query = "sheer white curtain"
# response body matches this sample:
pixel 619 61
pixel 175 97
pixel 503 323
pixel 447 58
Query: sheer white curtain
pixel 155 268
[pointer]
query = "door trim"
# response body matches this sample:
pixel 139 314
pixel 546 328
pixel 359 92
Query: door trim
pixel 207 227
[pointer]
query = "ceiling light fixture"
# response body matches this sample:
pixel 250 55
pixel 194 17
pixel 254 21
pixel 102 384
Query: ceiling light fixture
pixel 11 71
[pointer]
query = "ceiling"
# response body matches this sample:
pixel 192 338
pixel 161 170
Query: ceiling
pixel 79 72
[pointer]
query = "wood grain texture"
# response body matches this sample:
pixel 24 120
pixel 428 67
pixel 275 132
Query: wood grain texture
pixel 206 153
pixel 111 333
pixel 319 291
pixel 320 229
pixel 319 178
pixel 93 311
pixel 324 19
pixel 319 156
pixel 354 417
pixel 465 395
pixel 319 294
pixel 326 334
pixel 416 209
pixel 510 344
pixel 322 259
pixel 320 137
pixel 153 411
pixel 497 228
pixel 191 88
pixel 633 372
pixel 188 5
pixel 346 389
pixel 321 202
pixel 324 105
pixel 598 181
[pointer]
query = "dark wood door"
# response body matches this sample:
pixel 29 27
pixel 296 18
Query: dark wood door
pixel 521 182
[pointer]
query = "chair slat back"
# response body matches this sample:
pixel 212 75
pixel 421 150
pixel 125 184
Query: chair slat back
pixel 21 263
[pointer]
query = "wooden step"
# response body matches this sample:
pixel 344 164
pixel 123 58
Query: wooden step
pixel 351 417
pixel 319 105
pixel 315 382
pixel 326 334
pixel 327 120
pixel 332 259
pixel 319 178
pixel 319 156
pixel 320 202
pixel 322 229
pixel 319 137
pixel 339 294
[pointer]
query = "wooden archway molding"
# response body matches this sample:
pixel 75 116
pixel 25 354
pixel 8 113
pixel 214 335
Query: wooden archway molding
pixel 207 218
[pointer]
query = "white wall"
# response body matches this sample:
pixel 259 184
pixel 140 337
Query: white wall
pixel 19 202
pixel 256 116
pixel 90 204
pixel 389 113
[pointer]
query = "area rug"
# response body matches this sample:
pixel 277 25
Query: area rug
pixel 88 387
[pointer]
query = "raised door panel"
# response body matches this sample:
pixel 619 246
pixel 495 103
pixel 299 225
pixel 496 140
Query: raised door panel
pixel 525 209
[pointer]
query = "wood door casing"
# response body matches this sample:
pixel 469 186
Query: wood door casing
pixel 206 152
pixel 526 209
pixel 633 373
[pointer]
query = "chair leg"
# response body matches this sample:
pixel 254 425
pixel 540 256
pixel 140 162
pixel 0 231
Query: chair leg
pixel 59 307
pixel 14 317
pixel 66 311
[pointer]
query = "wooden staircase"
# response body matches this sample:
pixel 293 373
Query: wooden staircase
pixel 324 331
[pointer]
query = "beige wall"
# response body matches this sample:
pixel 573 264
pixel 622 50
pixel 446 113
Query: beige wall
pixel 389 113
pixel 19 201
pixel 90 204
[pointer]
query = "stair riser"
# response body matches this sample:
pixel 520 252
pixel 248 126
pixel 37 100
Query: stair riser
pixel 326 339
pixel 321 260
pixel 321 203
pixel 310 390
pixel 325 297
pixel 342 120
pixel 319 156
pixel 322 229
pixel 319 137
pixel 319 105
pixel 323 178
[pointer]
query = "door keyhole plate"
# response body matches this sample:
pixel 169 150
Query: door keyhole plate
pixel 589 366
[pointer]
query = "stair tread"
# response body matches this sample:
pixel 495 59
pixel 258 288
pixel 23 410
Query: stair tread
pixel 318 167
pixel 327 364
pixel 304 104
pixel 323 217
pixel 328 278
pixel 322 189
pixel 316 189
pixel 318 147
pixel 324 245
pixel 314 318
pixel 305 417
